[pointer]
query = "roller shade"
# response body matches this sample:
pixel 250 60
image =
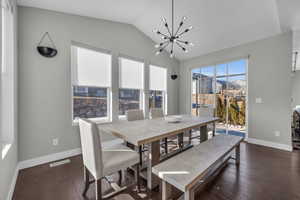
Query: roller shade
pixel 92 68
pixel 158 78
pixel 131 74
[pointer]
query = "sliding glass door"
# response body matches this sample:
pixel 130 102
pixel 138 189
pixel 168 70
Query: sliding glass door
pixel 222 87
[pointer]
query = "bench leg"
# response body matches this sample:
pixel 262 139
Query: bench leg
pixel 189 195
pixel 152 160
pixel 203 133
pixel 237 155
pixel 166 190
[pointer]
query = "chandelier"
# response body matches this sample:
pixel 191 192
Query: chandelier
pixel 173 37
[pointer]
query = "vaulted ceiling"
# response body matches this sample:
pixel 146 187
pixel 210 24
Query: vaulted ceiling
pixel 217 24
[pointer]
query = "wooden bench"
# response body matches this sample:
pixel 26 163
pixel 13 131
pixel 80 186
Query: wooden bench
pixel 190 169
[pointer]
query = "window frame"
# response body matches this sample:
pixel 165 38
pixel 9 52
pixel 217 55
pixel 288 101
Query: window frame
pixel 75 45
pixel 142 90
pixel 164 92
pixel 226 76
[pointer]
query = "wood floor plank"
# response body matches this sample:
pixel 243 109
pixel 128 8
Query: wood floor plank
pixel 264 174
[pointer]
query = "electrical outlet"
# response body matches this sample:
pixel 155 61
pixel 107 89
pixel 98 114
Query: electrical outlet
pixel 55 142
pixel 277 133
pixel 258 100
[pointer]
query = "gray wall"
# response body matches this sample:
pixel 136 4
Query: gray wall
pixel 296 89
pixel 45 84
pixel 8 165
pixel 269 77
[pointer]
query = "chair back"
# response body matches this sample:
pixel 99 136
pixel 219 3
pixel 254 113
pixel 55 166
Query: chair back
pixel 206 111
pixel 133 115
pixel 156 113
pixel 91 147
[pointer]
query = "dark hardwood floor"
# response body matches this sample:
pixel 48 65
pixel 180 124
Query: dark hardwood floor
pixel 264 174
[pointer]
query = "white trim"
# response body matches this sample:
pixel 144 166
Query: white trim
pixel 13 184
pixel 270 144
pixel 48 158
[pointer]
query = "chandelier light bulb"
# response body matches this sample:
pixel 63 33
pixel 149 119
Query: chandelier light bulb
pixel 157 46
pixel 164 20
pixel 157 53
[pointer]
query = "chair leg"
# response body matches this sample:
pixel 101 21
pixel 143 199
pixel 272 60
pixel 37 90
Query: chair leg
pixel 86 181
pixel 137 177
pixel 166 145
pixel 120 178
pixel 141 155
pixel 190 136
pixel 98 189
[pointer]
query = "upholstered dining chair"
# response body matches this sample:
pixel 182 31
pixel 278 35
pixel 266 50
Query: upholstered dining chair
pixel 156 113
pixel 99 162
pixel 206 111
pixel 159 113
pixel 133 115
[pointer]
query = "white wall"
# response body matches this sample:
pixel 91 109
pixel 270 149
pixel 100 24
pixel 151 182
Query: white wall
pixel 269 77
pixel 45 83
pixel 8 164
pixel 296 89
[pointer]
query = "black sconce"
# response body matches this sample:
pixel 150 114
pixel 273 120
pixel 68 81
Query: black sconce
pixel 45 50
pixel 174 76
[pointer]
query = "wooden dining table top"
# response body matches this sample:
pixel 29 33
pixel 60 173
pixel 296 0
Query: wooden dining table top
pixel 149 130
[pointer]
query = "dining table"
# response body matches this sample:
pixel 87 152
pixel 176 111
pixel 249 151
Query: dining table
pixel 150 132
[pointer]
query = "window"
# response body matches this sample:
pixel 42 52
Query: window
pixel 131 74
pixel 91 81
pixel 158 87
pixel 223 87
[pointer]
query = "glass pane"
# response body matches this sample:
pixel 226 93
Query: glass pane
pixel 207 85
pixel 195 91
pixel 156 99
pixel 129 99
pixel 221 104
pixel 89 102
pixel 221 70
pixel 237 67
pixel 237 105
pixel 208 71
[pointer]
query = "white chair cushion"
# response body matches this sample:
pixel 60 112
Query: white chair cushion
pixel 117 157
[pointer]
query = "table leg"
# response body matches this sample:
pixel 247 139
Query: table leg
pixel 237 155
pixel 203 133
pixel 189 195
pixel 153 159
pixel 166 190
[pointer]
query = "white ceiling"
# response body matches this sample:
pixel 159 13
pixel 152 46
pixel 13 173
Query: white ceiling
pixel 218 24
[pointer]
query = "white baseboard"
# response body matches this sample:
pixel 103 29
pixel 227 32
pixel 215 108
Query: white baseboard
pixel 13 184
pixel 48 158
pixel 270 144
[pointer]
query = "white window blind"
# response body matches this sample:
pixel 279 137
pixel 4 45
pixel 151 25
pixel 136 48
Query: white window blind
pixel 92 68
pixel 158 78
pixel 131 74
